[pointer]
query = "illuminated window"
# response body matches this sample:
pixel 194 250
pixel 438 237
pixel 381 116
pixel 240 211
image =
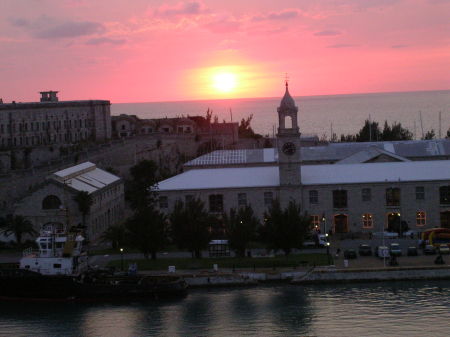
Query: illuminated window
pixel 315 221
pixel 421 218
pixel 367 220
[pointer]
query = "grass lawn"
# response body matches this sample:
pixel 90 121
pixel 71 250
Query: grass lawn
pixel 236 262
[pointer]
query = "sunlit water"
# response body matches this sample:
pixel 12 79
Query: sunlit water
pixel 344 114
pixel 366 309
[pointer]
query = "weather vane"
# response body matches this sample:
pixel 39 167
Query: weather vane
pixel 286 79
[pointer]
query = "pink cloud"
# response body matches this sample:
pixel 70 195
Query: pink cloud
pixel 180 9
pixel 285 14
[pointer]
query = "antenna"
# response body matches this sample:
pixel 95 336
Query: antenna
pixel 286 79
pixel 421 123
pixel 440 124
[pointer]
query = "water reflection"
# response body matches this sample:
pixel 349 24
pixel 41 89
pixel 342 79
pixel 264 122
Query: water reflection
pixel 373 309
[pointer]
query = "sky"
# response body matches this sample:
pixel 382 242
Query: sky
pixel 154 50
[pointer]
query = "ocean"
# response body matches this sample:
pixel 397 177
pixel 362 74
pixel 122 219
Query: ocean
pixel 416 308
pixel 320 115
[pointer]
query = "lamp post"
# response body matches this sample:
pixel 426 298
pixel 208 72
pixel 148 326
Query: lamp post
pixel 324 221
pixel 121 259
pixel 328 251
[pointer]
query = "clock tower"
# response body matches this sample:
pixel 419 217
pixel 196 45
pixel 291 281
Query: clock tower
pixel 288 143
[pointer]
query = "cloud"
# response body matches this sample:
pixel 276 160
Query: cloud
pixel 327 33
pixel 223 24
pixel 285 14
pixel 399 46
pixel 50 28
pixel 104 40
pixel 181 8
pixel 342 45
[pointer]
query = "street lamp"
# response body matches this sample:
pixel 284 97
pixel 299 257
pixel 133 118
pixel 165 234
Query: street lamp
pixel 324 223
pixel 121 259
pixel 328 252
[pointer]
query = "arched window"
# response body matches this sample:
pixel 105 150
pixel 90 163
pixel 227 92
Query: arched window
pixel 51 202
pixel 288 122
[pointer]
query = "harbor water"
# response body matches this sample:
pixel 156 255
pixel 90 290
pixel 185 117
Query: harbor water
pixel 419 308
pixel 419 112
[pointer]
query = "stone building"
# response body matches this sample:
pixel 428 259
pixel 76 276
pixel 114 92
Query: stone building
pixel 124 126
pixel 54 201
pixel 51 121
pixel 367 189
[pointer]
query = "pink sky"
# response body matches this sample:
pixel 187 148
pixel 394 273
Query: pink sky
pixel 150 50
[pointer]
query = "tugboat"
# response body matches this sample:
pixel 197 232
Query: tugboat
pixel 59 270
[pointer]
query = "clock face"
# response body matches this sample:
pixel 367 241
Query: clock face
pixel 289 148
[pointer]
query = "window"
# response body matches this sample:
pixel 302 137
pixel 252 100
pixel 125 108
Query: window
pixel 313 197
pixel 163 202
pixel 340 198
pixel 420 193
pixel 421 218
pixel 315 221
pixel 51 202
pixel 268 198
pixel 57 265
pixel 366 194
pixel 444 193
pixel 216 203
pixel 188 198
pixel 393 196
pixel 242 199
pixel 367 220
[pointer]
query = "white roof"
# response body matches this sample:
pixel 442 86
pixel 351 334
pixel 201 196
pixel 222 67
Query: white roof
pixel 85 177
pixel 268 176
pixel 222 178
pixel 376 172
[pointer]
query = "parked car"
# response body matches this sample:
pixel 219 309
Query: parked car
pixel 410 233
pixel 382 251
pixel 395 250
pixel 443 249
pixel 364 250
pixel 350 254
pixel 429 250
pixel 311 242
pixel 387 235
pixel 412 251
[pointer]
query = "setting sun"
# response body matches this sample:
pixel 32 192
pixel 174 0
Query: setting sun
pixel 224 82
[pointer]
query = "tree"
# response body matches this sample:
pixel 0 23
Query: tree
pixel 448 133
pixel 429 135
pixel 147 231
pixel 245 130
pixel 241 228
pixel 139 190
pixel 84 201
pixel 369 132
pixel 395 132
pixel 116 235
pixel 17 225
pixel 285 229
pixel 191 226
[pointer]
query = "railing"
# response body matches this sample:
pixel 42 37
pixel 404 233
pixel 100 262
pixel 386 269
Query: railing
pixel 30 251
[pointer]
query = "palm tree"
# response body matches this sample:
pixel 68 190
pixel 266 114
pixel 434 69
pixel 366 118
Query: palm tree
pixel 84 201
pixel 17 225
pixel 115 235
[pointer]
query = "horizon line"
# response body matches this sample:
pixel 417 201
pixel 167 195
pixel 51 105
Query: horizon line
pixel 272 97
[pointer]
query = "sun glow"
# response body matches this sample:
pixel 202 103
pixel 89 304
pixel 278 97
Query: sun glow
pixel 224 82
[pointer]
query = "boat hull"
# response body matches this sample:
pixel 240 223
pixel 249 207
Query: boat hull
pixel 27 285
